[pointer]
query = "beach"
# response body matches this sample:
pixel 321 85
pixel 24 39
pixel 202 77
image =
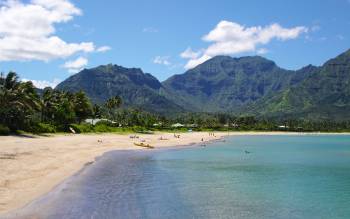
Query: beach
pixel 31 166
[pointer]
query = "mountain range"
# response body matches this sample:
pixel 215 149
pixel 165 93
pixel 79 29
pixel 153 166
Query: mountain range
pixel 136 88
pixel 250 85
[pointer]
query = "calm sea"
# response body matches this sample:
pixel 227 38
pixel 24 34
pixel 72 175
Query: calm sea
pixel 243 177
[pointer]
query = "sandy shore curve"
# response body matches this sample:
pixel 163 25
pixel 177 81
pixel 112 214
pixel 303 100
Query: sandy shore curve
pixel 31 166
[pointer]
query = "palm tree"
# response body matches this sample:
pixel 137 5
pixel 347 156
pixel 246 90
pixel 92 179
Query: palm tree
pixel 47 105
pixel 18 101
pixel 62 108
pixel 96 111
pixel 82 106
pixel 113 103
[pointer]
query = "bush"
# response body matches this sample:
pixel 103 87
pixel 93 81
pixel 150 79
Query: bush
pixel 4 130
pixel 139 129
pixel 102 127
pixel 43 128
pixel 82 128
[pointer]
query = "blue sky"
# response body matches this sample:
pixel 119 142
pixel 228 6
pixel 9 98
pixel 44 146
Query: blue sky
pixel 48 40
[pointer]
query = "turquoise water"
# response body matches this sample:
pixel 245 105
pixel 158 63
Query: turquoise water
pixel 281 177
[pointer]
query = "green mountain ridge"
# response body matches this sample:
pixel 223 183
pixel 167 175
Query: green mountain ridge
pixel 225 84
pixel 250 85
pixel 136 88
pixel 325 94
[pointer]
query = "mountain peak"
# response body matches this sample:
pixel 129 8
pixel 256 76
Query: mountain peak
pixel 240 60
pixel 228 64
pixel 113 68
pixel 111 73
pixel 221 58
pixel 136 88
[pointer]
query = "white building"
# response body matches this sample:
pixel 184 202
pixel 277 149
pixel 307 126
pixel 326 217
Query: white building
pixel 177 125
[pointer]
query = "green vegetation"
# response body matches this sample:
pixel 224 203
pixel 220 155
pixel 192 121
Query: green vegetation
pixel 18 102
pixel 4 130
pixel 224 83
pixel 324 95
pixel 22 109
pixel 224 93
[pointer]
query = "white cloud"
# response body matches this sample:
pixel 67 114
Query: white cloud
pixel 162 60
pixel 194 62
pixel 229 38
pixel 43 84
pixel 103 49
pixel 190 54
pixel 27 30
pixel 77 65
pixel 262 51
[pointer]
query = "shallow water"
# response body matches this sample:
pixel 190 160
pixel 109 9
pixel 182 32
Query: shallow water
pixel 281 177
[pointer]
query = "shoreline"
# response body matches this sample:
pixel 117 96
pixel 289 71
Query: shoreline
pixel 33 166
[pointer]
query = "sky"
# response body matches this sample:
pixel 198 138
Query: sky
pixel 47 41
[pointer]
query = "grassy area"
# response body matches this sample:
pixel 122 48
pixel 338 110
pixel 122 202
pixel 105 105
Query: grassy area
pixel 104 127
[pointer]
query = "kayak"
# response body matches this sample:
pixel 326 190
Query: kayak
pixel 144 145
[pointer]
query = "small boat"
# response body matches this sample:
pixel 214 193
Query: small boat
pixel 72 130
pixel 144 145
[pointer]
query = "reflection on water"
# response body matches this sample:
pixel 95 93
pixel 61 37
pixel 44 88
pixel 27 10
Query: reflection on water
pixel 282 177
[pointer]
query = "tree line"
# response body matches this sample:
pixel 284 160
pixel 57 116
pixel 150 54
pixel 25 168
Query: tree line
pixel 23 107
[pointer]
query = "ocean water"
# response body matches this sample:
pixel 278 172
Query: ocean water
pixel 280 177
